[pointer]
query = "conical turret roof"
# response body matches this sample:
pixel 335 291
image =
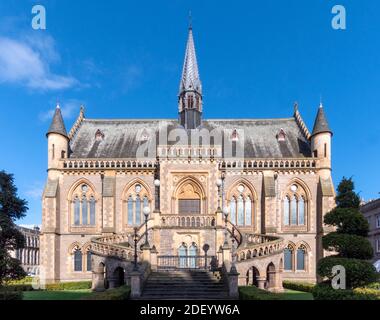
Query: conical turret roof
pixel 57 124
pixel 321 125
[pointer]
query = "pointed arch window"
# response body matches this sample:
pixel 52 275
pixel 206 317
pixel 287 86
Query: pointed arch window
pixel 288 258
pixel 76 211
pixel 83 206
pixel 295 206
pixel 136 199
pixel 88 257
pixel 301 258
pixel 77 260
pixel 241 206
pixel 233 209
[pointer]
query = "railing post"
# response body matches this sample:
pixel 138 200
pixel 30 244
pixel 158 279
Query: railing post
pixel 135 284
pixel 153 258
pixel 233 285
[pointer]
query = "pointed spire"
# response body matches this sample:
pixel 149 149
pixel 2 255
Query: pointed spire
pixel 321 125
pixel 57 124
pixel 190 79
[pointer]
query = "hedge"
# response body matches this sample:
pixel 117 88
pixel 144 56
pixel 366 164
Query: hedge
pixel 254 293
pixel 324 291
pixel 120 293
pixel 10 295
pixel 79 285
pixel 19 287
pixel 348 245
pixel 298 286
pixel 359 273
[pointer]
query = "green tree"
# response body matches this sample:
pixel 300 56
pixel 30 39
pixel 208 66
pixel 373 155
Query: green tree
pixel 11 209
pixel 349 240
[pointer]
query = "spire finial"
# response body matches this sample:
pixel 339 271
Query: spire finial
pixel 320 101
pixel 295 106
pixel 190 21
pixel 57 104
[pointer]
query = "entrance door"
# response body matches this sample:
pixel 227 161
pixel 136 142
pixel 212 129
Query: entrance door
pixel 192 255
pixel 182 254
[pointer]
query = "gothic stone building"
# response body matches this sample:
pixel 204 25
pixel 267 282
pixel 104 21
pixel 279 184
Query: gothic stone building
pixel 271 178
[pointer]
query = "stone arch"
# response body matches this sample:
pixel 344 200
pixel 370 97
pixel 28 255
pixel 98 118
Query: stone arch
pixel 117 277
pixel 252 275
pixel 189 187
pixel 271 276
pixel 245 182
pixel 129 193
pixel 304 186
pixel 92 197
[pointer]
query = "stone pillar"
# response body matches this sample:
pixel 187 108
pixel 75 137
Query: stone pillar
pixel 261 282
pixel 135 284
pixel 112 282
pixel 153 258
pixel 226 253
pixel 98 281
pixel 146 253
pixel 233 285
pixel 220 257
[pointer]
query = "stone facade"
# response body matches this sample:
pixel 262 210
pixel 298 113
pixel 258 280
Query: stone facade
pixel 371 211
pixel 274 186
pixel 29 256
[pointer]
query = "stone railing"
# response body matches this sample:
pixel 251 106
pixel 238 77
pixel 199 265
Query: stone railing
pixel 77 164
pixel 258 245
pixel 178 151
pixel 114 246
pixel 302 163
pixel 188 221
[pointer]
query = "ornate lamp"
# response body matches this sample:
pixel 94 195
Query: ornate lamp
pixel 146 212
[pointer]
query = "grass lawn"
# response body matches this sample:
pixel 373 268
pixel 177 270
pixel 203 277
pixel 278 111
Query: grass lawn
pixel 56 295
pixel 295 295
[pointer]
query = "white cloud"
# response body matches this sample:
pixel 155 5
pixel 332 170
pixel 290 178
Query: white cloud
pixel 28 63
pixel 35 191
pixel 69 109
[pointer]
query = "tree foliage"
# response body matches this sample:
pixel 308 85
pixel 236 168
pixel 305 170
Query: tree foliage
pixel 11 208
pixel 349 241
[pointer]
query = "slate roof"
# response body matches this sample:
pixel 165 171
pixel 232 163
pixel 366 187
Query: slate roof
pixel 321 125
pixel 57 125
pixel 122 138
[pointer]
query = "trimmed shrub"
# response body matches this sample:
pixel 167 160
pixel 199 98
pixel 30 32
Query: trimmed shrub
pixel 10 295
pixel 254 293
pixel 19 287
pixel 348 245
pixel 26 280
pixel 298 286
pixel 120 293
pixel 79 285
pixel 374 285
pixel 358 272
pixel 324 291
pixel 347 220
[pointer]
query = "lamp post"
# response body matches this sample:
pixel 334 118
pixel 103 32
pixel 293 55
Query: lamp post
pixel 157 184
pixel 146 212
pixel 135 239
pixel 219 183
pixel 225 213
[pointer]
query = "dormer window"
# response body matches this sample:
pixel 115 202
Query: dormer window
pixel 234 136
pixel 144 136
pixel 99 136
pixel 281 136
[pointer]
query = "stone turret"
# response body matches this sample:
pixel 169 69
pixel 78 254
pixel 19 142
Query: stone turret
pixel 321 142
pixel 58 141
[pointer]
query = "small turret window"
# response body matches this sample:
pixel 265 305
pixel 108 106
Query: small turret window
pixel 281 136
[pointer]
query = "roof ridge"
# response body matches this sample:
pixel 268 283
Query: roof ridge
pixel 77 123
pixel 301 124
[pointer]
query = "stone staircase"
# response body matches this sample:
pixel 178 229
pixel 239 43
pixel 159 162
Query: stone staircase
pixel 184 285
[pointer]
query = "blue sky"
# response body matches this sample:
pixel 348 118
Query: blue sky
pixel 123 59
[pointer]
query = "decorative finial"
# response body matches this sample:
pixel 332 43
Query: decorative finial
pixel 57 104
pixel 190 21
pixel 320 101
pixel 295 106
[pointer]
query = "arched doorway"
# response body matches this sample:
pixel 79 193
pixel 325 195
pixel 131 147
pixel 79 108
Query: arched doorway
pixel 118 277
pixel 271 276
pixel 182 254
pixel 192 255
pixel 252 275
